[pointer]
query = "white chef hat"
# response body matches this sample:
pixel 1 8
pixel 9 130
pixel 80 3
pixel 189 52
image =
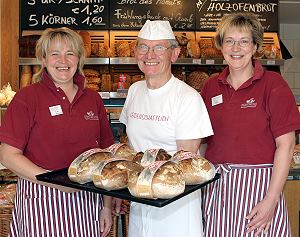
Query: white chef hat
pixel 156 30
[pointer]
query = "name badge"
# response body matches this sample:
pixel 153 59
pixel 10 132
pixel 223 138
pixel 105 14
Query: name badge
pixel 55 110
pixel 217 100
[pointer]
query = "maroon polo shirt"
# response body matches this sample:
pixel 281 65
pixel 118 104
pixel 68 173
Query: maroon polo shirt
pixel 49 129
pixel 247 121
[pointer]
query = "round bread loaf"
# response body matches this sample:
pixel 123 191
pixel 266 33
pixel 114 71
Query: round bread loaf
pixel 182 39
pixel 193 49
pixel 195 168
pixel 196 79
pixel 114 175
pixel 122 48
pixel 100 50
pixel 82 168
pixel 166 182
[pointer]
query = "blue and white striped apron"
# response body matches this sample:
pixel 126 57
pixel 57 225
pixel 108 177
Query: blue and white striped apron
pixel 227 201
pixel 41 211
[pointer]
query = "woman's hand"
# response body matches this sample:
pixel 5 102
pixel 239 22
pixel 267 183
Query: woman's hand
pixel 105 221
pixel 261 216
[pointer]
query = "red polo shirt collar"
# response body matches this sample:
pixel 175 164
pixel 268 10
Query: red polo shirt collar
pixel 258 73
pixel 78 79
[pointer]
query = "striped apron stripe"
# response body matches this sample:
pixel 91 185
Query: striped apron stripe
pixel 41 211
pixel 227 201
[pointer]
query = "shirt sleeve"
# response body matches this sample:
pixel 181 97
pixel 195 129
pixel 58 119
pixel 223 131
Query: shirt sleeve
pixel 193 121
pixel 15 131
pixel 282 109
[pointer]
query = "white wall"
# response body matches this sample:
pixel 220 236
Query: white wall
pixel 290 36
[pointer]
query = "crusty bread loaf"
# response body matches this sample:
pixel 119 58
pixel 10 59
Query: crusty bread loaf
pixel 162 179
pixel 151 155
pixel 132 47
pixel 114 174
pixel 82 168
pixel 182 39
pixel 195 168
pixel 196 79
pixel 122 150
pixel 86 38
pixel 105 82
pixel 100 50
pixel 193 49
pixel 122 48
pixel 26 76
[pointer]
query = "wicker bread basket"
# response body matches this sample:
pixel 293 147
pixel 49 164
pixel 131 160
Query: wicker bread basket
pixel 5 218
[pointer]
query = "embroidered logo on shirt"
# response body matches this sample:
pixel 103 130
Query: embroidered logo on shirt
pixel 91 116
pixel 249 104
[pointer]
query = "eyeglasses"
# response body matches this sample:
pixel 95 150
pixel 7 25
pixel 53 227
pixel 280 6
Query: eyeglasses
pixel 242 43
pixel 157 49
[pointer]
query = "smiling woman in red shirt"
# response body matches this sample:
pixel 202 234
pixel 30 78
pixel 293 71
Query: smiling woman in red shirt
pixel 254 118
pixel 46 126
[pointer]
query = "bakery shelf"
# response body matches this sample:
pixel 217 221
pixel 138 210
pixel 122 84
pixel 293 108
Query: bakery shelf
pixel 88 61
pixel 28 61
pixel 180 61
pixel 122 60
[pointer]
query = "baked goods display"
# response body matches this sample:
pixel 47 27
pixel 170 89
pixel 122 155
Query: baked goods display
pixel 161 179
pixel 105 82
pixel 196 79
pixel 92 78
pixel 100 50
pixel 195 168
pixel 85 35
pixel 132 45
pixel 271 51
pixel 26 76
pixel 83 167
pixel 193 49
pixel 6 95
pixel 122 48
pixel 7 194
pixel 113 174
pixel 296 157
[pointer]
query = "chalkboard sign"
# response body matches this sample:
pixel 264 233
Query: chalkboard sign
pixel 132 14
pixel 184 15
pixel 210 12
pixel 75 14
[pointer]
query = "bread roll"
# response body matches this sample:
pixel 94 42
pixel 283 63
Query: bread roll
pixel 114 174
pixel 162 179
pixel 2 99
pixel 82 168
pixel 195 168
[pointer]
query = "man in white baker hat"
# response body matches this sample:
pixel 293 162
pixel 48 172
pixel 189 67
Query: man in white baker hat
pixel 164 112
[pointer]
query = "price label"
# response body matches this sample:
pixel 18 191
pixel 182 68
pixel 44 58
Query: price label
pixel 197 61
